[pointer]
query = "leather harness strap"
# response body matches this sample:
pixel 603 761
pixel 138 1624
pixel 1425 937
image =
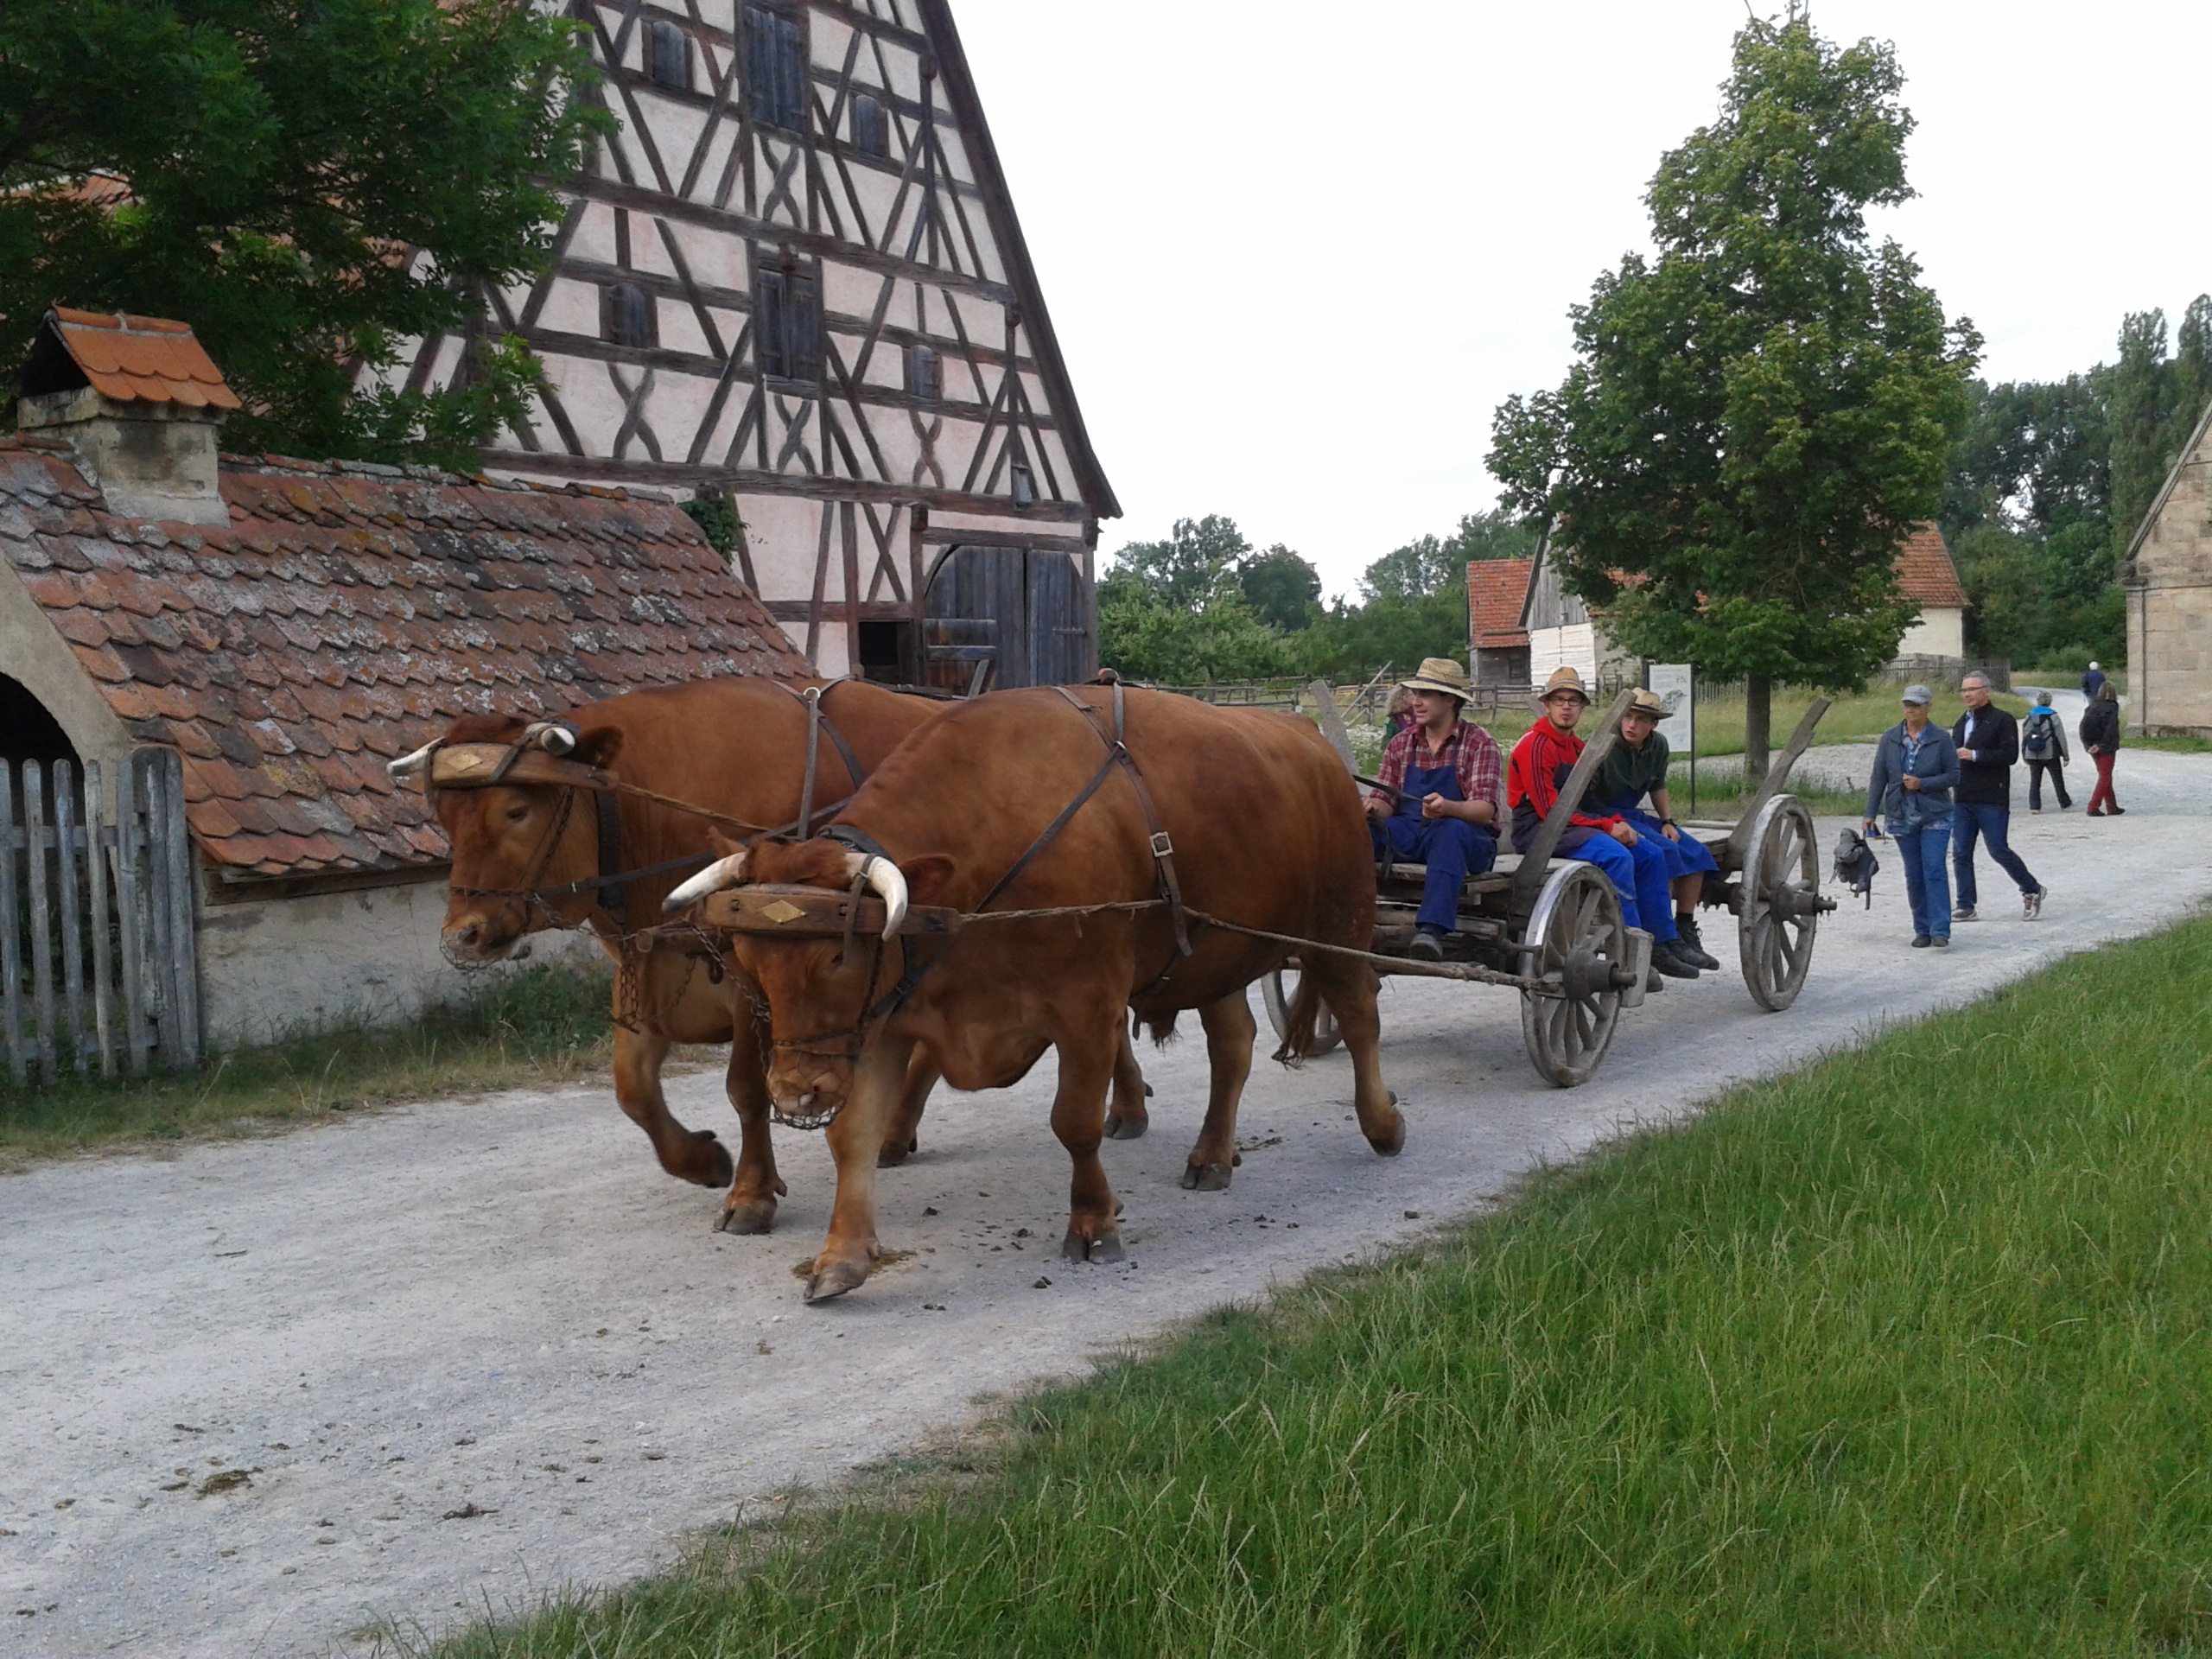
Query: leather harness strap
pixel 1163 849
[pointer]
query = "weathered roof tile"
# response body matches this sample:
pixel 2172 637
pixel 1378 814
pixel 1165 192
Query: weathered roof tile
pixel 348 614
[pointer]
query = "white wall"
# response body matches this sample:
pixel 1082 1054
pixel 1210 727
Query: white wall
pixel 273 967
pixel 1939 632
pixel 1574 646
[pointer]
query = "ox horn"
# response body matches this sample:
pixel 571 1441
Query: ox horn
pixel 722 872
pixel 555 737
pixel 407 764
pixel 889 882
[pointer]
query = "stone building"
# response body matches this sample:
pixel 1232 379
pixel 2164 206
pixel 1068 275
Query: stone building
pixel 2167 576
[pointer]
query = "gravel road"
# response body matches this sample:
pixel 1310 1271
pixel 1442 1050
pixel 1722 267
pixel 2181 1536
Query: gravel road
pixel 262 1394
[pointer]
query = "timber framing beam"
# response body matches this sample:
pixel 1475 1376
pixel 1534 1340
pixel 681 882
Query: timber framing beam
pixel 749 481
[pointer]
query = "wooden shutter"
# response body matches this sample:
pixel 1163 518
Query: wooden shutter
pixel 803 310
pixel 871 126
pixel 760 64
pixel 770 327
pixel 628 315
pixel 924 373
pixel 792 72
pixel 668 55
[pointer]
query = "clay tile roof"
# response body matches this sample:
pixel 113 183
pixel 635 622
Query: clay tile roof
pixel 257 667
pixel 1926 573
pixel 1496 589
pixel 146 360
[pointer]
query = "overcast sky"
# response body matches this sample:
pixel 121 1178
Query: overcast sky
pixel 1297 253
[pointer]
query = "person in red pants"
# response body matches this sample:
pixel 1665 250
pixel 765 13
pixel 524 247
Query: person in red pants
pixel 2100 737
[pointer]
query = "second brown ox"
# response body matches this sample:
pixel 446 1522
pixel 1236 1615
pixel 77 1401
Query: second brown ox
pixel 1267 832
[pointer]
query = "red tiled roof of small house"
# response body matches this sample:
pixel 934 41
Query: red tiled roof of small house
pixel 147 360
pixel 1926 573
pixel 1496 589
pixel 345 614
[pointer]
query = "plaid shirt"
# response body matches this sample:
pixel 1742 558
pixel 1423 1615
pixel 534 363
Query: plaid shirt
pixel 1475 761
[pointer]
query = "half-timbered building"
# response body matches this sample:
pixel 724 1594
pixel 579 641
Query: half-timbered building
pixel 794 277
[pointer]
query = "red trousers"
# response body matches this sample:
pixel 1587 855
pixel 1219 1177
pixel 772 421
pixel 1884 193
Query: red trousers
pixel 2101 796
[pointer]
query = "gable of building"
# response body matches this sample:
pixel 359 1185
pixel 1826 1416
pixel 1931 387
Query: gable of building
pixel 1496 591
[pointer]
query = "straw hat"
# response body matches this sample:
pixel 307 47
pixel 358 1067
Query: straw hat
pixel 1564 679
pixel 1438 674
pixel 1643 701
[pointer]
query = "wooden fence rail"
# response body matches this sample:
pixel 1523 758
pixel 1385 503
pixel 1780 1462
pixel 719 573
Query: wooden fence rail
pixel 99 954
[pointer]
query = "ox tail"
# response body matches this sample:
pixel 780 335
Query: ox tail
pixel 1305 1018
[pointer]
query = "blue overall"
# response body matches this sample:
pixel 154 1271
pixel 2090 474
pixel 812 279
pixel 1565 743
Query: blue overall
pixel 1688 856
pixel 1453 849
pixel 1640 875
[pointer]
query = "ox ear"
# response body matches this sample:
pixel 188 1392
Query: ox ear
pixel 928 878
pixel 722 844
pixel 598 747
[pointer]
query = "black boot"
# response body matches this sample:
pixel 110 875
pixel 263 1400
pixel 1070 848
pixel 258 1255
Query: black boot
pixel 1691 948
pixel 1664 960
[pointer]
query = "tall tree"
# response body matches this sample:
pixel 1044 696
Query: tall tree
pixel 265 172
pixel 2155 403
pixel 1757 417
pixel 1180 570
pixel 1281 587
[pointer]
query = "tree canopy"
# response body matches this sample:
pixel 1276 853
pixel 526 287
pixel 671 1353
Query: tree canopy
pixel 307 185
pixel 1758 415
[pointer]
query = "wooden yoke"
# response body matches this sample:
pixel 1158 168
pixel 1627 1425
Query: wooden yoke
pixel 1776 776
pixel 1529 878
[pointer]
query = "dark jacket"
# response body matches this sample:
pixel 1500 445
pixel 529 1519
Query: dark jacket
pixel 2092 683
pixel 2100 727
pixel 1936 765
pixel 1986 780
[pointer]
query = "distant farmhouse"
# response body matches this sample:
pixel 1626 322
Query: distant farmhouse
pixel 795 278
pixel 1552 628
pixel 2167 576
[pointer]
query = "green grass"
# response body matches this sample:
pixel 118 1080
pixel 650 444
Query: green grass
pixel 546 1024
pixel 2167 745
pixel 1903 1354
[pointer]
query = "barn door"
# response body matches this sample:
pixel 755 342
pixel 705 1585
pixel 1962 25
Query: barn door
pixel 1005 616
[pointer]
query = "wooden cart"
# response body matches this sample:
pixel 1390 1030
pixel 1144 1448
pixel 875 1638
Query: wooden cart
pixel 1559 920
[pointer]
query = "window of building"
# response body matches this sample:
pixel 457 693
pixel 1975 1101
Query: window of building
pixel 668 55
pixel 924 373
pixel 787 324
pixel 883 651
pixel 776 67
pixel 627 316
pixel 871 125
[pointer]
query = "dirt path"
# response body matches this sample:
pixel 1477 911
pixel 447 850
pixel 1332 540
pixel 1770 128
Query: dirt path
pixel 479 1351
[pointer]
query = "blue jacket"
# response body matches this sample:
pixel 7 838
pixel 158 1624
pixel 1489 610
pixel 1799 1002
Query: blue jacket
pixel 1936 765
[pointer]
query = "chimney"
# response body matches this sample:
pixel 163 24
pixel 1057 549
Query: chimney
pixel 140 401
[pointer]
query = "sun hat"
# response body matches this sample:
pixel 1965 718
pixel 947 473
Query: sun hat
pixel 1438 674
pixel 1643 701
pixel 1564 679
pixel 1918 694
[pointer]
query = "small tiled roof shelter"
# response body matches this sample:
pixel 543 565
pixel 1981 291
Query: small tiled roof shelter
pixel 1497 642
pixel 1931 581
pixel 289 627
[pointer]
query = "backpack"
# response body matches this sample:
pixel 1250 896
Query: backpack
pixel 2038 743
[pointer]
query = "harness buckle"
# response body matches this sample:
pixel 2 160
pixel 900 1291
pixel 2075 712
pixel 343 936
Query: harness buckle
pixel 1161 847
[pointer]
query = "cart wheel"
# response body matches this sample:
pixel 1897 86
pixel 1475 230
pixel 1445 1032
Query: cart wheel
pixel 1278 990
pixel 1575 938
pixel 1782 903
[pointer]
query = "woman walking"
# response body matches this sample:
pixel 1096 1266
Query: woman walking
pixel 2042 745
pixel 2100 737
pixel 1915 768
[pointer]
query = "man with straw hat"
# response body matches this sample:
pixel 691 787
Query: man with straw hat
pixel 1441 800
pixel 1633 863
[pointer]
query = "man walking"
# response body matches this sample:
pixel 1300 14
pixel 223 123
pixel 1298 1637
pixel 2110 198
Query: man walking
pixel 2093 682
pixel 1988 741
pixel 1440 801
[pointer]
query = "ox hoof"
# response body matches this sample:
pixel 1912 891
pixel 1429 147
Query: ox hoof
pixel 892 1153
pixel 835 1280
pixel 749 1216
pixel 1207 1178
pixel 1392 1142
pixel 718 1169
pixel 1106 1247
pixel 1125 1128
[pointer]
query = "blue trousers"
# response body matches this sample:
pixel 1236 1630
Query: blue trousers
pixel 1992 824
pixel 1926 886
pixel 1687 856
pixel 1453 849
pixel 1639 875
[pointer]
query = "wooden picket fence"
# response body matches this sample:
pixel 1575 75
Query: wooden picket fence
pixel 98 959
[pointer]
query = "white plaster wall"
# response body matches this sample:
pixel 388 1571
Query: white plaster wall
pixel 273 967
pixel 1574 646
pixel 1940 631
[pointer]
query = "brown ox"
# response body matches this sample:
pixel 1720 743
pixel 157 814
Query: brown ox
pixel 1268 832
